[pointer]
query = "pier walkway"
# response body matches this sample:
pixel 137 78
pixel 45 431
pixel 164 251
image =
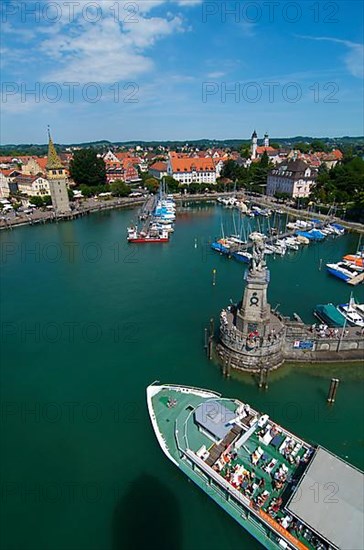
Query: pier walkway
pixel 357 279
pixel 146 212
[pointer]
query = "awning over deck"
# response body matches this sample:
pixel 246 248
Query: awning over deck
pixel 330 500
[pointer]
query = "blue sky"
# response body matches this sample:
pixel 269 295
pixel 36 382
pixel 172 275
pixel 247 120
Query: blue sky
pixel 182 69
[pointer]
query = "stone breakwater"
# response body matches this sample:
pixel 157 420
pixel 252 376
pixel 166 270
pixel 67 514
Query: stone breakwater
pixel 294 342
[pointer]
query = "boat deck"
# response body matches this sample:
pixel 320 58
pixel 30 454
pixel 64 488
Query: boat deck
pixel 257 459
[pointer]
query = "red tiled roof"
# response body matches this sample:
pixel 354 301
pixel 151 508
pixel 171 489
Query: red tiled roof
pixel 174 154
pixel 189 164
pixel 130 161
pixel 218 159
pixel 337 153
pixel 260 150
pixel 122 156
pixel 7 172
pixel 42 162
pixel 161 166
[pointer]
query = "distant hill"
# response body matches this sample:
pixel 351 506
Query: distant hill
pixel 104 145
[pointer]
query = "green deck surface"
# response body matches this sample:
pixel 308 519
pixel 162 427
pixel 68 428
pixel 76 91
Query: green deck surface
pixel 177 423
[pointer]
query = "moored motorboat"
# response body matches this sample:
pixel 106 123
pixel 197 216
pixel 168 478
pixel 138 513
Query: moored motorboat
pixel 302 240
pixel 354 259
pixel 342 270
pixel 329 314
pixel 291 243
pixel 138 237
pixel 242 256
pixel 221 247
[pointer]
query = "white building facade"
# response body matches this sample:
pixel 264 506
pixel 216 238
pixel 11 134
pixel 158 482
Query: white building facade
pixel 192 170
pixel 295 178
pixel 4 186
pixel 33 186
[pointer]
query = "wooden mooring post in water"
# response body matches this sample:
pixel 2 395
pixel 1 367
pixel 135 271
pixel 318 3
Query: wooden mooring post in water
pixel 332 390
pixel 210 344
pixel 263 378
pixel 226 369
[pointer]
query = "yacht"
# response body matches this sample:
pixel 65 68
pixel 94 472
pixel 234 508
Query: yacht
pixel 342 270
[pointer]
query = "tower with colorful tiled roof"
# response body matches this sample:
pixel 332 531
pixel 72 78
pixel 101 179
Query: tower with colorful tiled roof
pixel 57 178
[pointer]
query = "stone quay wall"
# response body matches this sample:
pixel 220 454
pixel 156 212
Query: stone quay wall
pixel 294 343
pixel 326 350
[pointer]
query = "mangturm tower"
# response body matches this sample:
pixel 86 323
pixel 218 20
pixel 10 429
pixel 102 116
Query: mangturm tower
pixel 57 178
pixel 251 336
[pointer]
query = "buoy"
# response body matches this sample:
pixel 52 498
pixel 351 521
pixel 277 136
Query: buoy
pixel 213 277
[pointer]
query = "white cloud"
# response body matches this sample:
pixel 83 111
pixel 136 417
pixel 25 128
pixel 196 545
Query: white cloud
pixel 248 28
pixel 189 3
pixel 353 59
pixel 216 74
pixel 106 51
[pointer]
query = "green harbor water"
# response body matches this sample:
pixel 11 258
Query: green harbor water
pixel 87 323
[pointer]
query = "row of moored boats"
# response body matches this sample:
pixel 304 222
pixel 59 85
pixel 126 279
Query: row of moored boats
pixel 157 226
pixel 302 234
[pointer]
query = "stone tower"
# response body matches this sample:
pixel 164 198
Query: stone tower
pixel 254 145
pixel 254 312
pixel 266 140
pixel 251 335
pixel 57 178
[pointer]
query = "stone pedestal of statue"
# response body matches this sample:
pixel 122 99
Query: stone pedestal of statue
pixel 254 312
pixel 251 336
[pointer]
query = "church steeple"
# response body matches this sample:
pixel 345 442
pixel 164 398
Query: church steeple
pixel 254 145
pixel 54 162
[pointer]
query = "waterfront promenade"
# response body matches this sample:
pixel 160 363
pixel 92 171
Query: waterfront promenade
pixel 88 206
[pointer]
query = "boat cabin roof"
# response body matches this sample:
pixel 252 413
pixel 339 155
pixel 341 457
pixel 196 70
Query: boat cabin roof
pixel 330 500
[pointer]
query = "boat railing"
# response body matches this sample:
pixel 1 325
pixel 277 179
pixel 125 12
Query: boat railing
pixel 243 500
pixel 192 389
